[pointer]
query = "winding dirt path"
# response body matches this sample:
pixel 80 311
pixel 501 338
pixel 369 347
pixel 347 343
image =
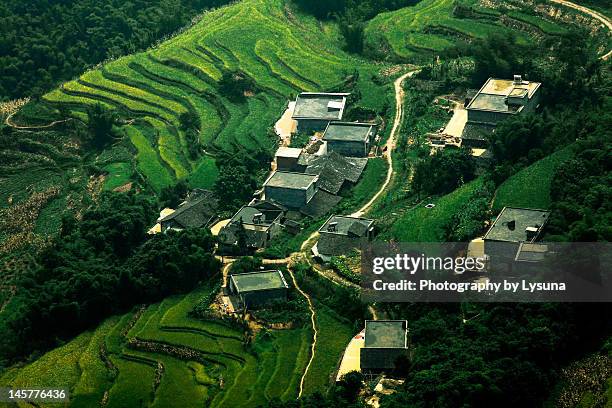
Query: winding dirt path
pixel 595 14
pixel 390 145
pixel 8 122
pixel 315 332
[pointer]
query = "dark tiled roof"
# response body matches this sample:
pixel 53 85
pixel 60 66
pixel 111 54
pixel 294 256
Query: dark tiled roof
pixel 334 169
pixel 199 210
pixel 477 131
pixel 256 238
pixel 320 204
pixel 345 225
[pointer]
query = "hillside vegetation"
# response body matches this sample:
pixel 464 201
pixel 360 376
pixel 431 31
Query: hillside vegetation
pixel 431 26
pixel 160 356
pixel 260 41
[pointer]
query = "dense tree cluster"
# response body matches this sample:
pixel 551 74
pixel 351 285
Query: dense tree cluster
pixel 239 177
pixel 444 171
pixel 100 265
pixel 43 42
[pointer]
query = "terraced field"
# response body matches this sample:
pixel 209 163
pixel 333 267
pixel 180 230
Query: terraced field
pixel 283 52
pixel 413 33
pixel 160 357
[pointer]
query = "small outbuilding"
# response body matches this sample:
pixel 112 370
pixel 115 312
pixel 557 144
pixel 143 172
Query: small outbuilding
pixel 255 289
pixel 287 158
pixel 385 342
pixel 349 139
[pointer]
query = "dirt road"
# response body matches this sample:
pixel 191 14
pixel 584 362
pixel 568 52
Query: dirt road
pixel 397 123
pixel 605 20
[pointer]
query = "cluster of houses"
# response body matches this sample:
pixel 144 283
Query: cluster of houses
pixel 306 182
pixel 309 182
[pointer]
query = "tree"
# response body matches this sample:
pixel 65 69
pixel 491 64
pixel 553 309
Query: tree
pixel 234 186
pixel 100 121
pixel 444 171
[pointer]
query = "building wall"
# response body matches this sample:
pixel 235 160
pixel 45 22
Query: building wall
pixel 257 299
pixel 348 148
pixel 292 198
pixel 379 359
pixel 286 164
pixel 487 116
pixel 311 125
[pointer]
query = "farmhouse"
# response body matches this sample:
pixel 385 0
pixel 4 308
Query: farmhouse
pixel 496 101
pixel 293 190
pixel 313 111
pixel 385 341
pixel 260 220
pixel 199 210
pixel 349 139
pixel 342 234
pixel 254 289
pixel 512 227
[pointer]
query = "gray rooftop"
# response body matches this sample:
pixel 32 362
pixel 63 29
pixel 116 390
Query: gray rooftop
pixel 346 226
pixel 494 93
pixel 347 131
pixel 511 223
pixel 292 152
pixel 291 180
pixel 255 281
pixel 531 252
pixel 326 106
pixel 247 214
pixel 386 333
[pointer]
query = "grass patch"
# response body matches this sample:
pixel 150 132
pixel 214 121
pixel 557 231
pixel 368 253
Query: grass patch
pixel 420 224
pixel 530 187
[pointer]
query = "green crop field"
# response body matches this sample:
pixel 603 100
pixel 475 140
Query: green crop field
pixel 283 52
pixel 530 187
pixel 219 371
pixel 413 33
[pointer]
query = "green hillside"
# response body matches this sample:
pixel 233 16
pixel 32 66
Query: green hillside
pixel 281 51
pixel 415 32
pixel 530 187
pixel 160 356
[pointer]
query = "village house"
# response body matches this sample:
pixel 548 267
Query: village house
pixel 512 228
pixel 349 139
pixel 260 221
pixel 313 111
pixel 293 190
pixel 342 234
pixel 199 210
pixel 385 342
pixel 496 101
pixel 254 289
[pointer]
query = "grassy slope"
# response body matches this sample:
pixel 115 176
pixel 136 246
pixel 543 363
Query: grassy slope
pixel 420 224
pixel 530 187
pixel 283 53
pixel 414 32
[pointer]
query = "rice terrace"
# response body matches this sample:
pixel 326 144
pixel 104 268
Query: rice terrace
pixel 187 187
